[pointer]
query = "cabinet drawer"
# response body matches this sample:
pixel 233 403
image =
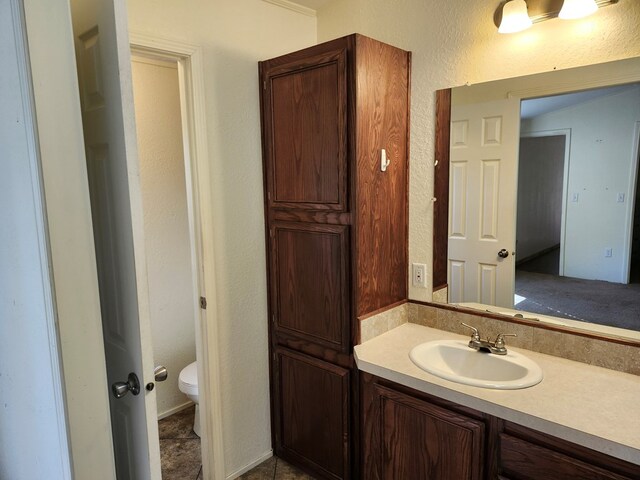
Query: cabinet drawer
pixel 521 460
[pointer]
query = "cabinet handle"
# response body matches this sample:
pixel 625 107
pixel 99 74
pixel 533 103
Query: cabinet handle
pixel 384 161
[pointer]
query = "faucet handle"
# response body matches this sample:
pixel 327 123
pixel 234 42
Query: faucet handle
pixel 476 334
pixel 500 339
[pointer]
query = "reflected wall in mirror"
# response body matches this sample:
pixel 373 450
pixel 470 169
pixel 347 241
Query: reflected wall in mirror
pixel 538 193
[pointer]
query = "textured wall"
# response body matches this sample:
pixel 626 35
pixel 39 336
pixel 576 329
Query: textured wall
pixel 455 42
pixel 166 223
pixel 234 35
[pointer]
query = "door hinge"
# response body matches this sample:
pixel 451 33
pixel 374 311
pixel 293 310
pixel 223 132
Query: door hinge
pixel 203 303
pixel 264 84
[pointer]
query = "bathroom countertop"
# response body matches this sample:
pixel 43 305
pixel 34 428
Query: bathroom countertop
pixel 590 406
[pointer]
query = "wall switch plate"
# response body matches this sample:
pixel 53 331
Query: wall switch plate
pixel 620 197
pixel 419 272
pixel 574 197
pixel 608 252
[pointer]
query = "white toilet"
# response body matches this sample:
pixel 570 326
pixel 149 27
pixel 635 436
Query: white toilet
pixel 188 384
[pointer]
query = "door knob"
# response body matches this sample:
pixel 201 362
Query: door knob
pixel 503 253
pixel 120 389
pixel 160 373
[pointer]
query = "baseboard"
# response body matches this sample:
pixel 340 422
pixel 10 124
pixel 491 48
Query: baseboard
pixel 533 256
pixel 255 463
pixel 173 410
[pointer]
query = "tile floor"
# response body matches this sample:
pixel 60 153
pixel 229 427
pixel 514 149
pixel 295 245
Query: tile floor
pixel 179 447
pixel 275 469
pixel 181 459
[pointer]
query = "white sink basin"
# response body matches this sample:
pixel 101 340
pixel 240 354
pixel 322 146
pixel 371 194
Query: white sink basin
pixel 454 360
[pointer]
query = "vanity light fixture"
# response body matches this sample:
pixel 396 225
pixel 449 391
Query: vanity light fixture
pixel 513 16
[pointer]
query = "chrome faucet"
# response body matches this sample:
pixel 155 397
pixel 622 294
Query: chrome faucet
pixel 497 347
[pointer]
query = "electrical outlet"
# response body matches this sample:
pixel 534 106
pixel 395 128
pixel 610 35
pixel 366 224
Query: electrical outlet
pixel 608 252
pixel 419 272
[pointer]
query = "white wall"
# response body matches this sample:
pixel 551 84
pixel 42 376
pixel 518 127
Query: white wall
pixel 33 428
pixel 600 167
pixel 540 183
pixel 166 223
pixel 456 42
pixel 234 35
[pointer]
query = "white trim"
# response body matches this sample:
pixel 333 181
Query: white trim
pixel 51 320
pixel 633 185
pixel 177 409
pixel 192 98
pixel 156 62
pixel 566 132
pixel 246 468
pixel 293 6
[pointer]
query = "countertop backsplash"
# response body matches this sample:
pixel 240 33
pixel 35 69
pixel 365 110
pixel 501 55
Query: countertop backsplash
pixel 594 351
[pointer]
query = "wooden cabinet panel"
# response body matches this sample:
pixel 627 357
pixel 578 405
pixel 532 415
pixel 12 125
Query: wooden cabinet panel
pixel 310 282
pixel 380 205
pixel 529 455
pixel 306 147
pixel 313 413
pixel 416 439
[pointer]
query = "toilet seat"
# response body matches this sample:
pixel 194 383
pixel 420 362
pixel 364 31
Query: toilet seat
pixel 188 379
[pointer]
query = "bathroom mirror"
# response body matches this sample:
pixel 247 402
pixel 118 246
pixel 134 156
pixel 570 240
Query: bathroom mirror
pixel 536 198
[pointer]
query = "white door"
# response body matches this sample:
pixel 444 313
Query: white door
pixel 482 202
pixel 104 68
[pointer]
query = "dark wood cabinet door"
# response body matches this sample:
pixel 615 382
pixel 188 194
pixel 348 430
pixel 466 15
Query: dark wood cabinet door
pixel 310 282
pixel 305 119
pixel 312 417
pixel 418 440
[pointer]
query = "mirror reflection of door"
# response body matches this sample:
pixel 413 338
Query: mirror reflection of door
pixel 482 189
pixel 576 194
pixel 577 179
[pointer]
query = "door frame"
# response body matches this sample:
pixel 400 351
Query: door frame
pixel 566 132
pixel 633 186
pixel 189 60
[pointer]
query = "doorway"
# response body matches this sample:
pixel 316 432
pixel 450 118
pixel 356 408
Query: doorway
pixel 634 268
pixel 189 61
pixel 168 249
pixel 542 173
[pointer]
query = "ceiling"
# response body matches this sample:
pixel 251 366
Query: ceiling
pixel 540 106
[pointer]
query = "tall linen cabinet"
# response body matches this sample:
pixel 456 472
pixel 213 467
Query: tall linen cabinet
pixel 336 226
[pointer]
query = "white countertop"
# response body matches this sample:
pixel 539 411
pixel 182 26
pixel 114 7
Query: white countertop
pixel 591 406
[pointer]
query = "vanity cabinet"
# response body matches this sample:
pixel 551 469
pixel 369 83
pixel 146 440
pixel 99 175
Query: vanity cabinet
pixel 336 224
pixel 409 434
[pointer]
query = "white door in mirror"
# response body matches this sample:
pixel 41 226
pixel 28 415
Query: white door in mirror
pixel 482 206
pixel 453 360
